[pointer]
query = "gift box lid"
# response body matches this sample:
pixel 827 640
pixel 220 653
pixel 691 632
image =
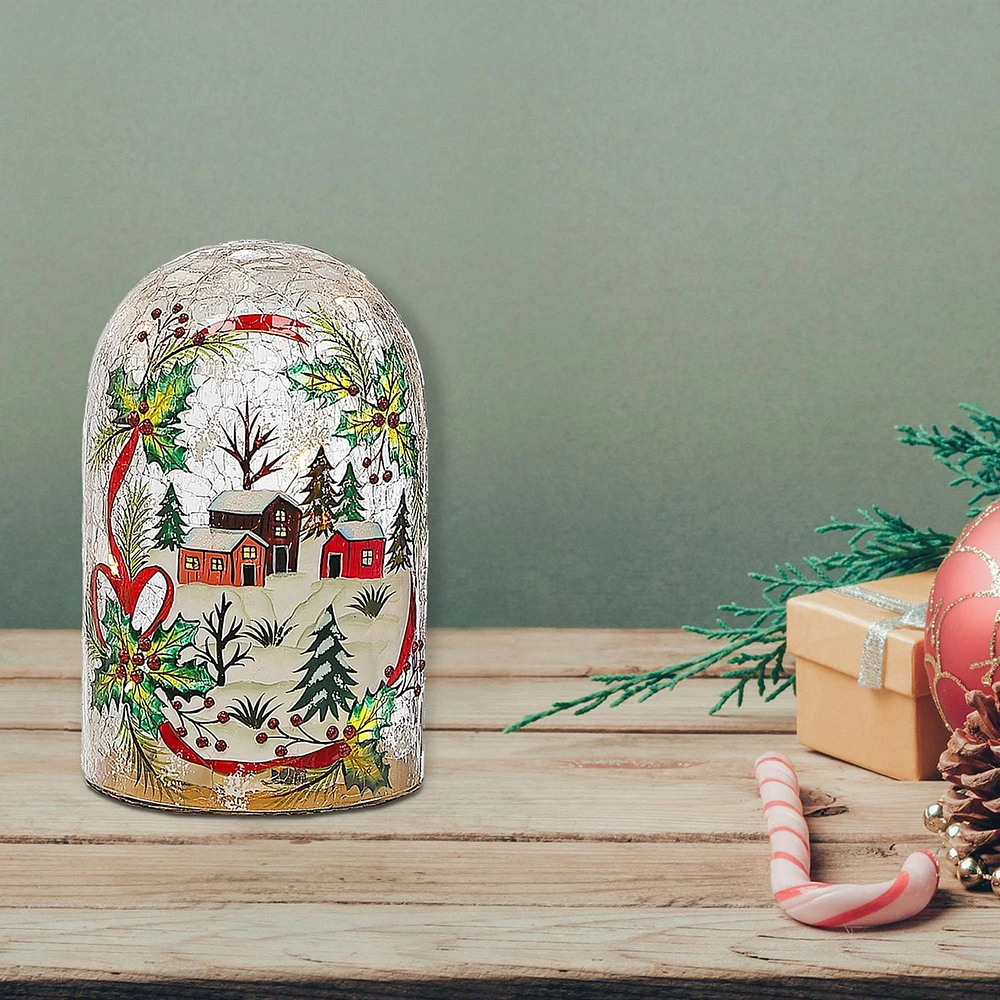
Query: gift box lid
pixel 830 628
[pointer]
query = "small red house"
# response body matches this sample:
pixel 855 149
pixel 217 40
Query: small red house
pixel 222 558
pixel 356 549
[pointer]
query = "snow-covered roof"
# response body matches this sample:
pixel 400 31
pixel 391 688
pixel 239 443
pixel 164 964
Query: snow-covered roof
pixel 247 501
pixel 218 539
pixel 359 531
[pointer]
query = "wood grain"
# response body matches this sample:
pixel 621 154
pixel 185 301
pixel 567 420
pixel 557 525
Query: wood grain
pixel 619 854
pixel 485 652
pixel 476 704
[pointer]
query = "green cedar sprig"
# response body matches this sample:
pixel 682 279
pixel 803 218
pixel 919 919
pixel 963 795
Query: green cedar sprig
pixel 753 644
pixel 973 455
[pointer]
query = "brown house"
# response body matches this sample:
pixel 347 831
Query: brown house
pixel 273 516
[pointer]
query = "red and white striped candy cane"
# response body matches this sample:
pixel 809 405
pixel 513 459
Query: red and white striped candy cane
pixel 818 903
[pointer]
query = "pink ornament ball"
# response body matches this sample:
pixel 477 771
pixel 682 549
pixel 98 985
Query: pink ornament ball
pixel 961 651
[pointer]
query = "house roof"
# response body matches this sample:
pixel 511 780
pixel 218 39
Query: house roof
pixel 218 539
pixel 247 501
pixel 359 531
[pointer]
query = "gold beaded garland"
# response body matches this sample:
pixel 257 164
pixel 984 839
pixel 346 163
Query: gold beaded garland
pixel 968 869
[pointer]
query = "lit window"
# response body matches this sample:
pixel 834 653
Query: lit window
pixel 367 557
pixel 191 562
pixel 281 531
pixel 217 564
pixel 280 516
pixel 249 551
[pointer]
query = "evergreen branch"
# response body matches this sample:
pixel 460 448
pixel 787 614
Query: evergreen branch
pixel 133 523
pixel 972 455
pixel 754 645
pixel 347 347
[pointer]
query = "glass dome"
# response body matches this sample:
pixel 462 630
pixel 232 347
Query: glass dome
pixel 254 538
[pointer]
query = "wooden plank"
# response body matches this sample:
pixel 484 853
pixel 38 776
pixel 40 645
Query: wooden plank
pixel 488 703
pixel 494 873
pixel 329 943
pixel 539 652
pixel 528 786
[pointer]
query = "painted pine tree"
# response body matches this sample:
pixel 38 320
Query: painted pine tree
pixel 327 678
pixel 351 506
pixel 320 502
pixel 400 552
pixel 170 521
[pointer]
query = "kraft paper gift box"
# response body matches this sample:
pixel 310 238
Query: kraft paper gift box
pixel 893 729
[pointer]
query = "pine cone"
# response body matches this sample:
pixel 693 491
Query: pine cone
pixel 971 765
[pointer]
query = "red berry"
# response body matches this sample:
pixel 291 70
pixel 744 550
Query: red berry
pixel 156 314
pixel 132 419
pixel 421 664
pixel 144 407
pixel 332 733
pixel 202 741
pixel 145 427
pixel 223 717
pixel 136 676
pixel 121 673
pixel 177 307
pixel 378 419
pixel 272 723
pixel 261 737
pixel 209 702
pixel 393 420
pixel 350 732
pixel 138 659
pixel 145 645
pixel 373 479
pixel 176 703
pixel 366 463
pixel 417 689
pixel 221 745
pixel 388 671
pixel 296 720
pixel 383 402
pixel 387 475
pixel 179 332
pixel 183 317
pixel 280 751
pixel 141 335
pixel 353 390
pixel 181 731
pixel 199 337
pixel 123 656
pixel 153 662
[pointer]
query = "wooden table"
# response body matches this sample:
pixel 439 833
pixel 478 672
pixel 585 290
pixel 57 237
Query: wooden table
pixel 615 855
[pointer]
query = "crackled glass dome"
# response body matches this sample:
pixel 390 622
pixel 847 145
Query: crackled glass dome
pixel 254 538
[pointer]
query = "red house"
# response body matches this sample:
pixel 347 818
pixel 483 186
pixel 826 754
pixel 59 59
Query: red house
pixel 356 549
pixel 222 558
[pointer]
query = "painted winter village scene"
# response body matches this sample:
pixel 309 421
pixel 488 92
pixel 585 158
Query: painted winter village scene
pixel 254 538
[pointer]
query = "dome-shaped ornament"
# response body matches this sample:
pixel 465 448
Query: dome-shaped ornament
pixel 254 538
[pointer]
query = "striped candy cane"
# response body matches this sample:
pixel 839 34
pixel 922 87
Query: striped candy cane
pixel 818 903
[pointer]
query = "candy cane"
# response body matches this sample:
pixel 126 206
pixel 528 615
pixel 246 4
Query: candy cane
pixel 818 903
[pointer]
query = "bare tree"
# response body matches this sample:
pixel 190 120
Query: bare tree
pixel 245 441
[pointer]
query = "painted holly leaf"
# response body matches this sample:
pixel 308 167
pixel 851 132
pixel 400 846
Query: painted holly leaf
pixel 371 713
pixel 153 407
pixel 131 675
pixel 392 382
pixel 402 447
pixel 365 768
pixel 365 424
pixel 325 381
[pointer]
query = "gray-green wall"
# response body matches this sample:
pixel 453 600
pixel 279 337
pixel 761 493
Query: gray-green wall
pixel 674 269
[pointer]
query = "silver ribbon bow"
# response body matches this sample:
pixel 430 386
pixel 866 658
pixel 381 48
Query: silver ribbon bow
pixel 873 650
